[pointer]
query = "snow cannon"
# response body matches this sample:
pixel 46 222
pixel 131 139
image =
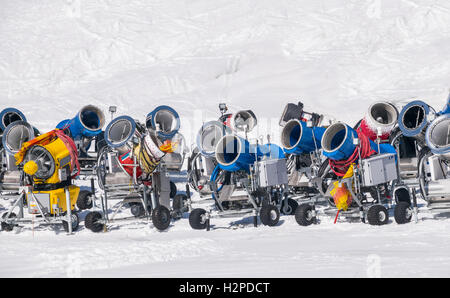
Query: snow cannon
pixel 122 134
pixel 338 143
pixel 119 132
pixel 8 116
pixel 297 137
pixel 51 162
pixel 234 153
pixel 50 158
pixel 165 121
pixel 414 118
pixel 381 116
pixel 209 135
pixel 437 136
pixel 88 123
pixel 244 121
pixel 15 135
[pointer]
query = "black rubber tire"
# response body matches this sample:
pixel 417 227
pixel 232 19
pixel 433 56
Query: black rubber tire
pixel 377 215
pixel 178 203
pixel 195 219
pixel 85 200
pixel 91 222
pixel 173 189
pixel 302 215
pixel 269 215
pixel 401 213
pixel 75 222
pixel 5 226
pixel 161 218
pixel 292 207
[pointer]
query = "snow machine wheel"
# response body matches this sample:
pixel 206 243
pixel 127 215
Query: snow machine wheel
pixel 197 219
pixel 85 200
pixel 92 222
pixel 377 215
pixel 5 226
pixel 291 207
pixel 173 189
pixel 269 215
pixel 161 218
pixel 402 213
pixel 137 210
pixel 75 222
pixel 304 215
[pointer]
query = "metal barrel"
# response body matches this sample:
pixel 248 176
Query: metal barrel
pixel 87 123
pixel 297 138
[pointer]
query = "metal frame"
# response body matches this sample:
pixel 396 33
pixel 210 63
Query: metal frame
pixel 437 207
pixel 46 218
pixel 355 182
pixel 134 192
pixel 248 186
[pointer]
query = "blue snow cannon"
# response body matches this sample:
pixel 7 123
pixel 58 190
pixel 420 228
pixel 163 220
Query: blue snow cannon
pixel 165 121
pixel 337 142
pixel 10 115
pixel 88 123
pixel 234 153
pixel 298 138
pixel 413 118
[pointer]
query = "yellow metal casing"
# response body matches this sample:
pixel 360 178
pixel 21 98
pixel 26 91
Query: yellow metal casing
pixel 57 199
pixel 62 159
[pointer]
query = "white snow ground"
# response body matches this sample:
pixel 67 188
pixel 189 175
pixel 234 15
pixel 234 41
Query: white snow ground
pixel 336 56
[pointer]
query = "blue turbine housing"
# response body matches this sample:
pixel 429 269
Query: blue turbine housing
pixel 234 153
pixel 413 118
pixel 297 138
pixel 337 142
pixel 87 123
pixel 165 121
pixel 10 115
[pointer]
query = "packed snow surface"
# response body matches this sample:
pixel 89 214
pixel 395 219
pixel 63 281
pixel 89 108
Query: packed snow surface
pixel 336 56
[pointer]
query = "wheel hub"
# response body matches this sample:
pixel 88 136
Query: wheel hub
pixel 273 215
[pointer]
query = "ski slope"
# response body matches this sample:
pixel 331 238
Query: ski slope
pixel 336 56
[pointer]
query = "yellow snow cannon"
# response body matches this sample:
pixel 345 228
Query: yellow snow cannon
pixel 50 162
